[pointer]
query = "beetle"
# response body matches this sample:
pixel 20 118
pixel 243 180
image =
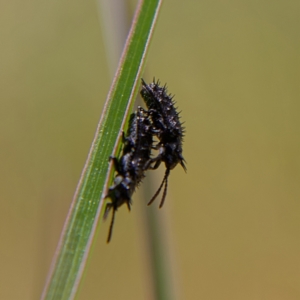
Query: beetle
pixel 130 167
pixel 167 127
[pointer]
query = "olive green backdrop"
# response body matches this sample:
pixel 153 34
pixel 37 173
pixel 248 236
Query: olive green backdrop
pixel 233 218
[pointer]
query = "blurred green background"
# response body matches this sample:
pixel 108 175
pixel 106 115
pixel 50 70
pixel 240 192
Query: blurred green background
pixel 233 218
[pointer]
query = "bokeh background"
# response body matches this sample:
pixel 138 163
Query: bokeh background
pixel 233 219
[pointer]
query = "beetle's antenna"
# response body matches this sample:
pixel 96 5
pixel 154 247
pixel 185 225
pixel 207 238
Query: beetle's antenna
pixel 164 181
pixel 111 225
pixel 165 189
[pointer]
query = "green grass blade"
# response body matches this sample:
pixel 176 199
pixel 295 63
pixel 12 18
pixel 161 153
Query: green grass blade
pixel 82 221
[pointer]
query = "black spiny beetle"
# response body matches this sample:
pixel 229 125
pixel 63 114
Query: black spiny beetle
pixel 130 167
pixel 167 127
